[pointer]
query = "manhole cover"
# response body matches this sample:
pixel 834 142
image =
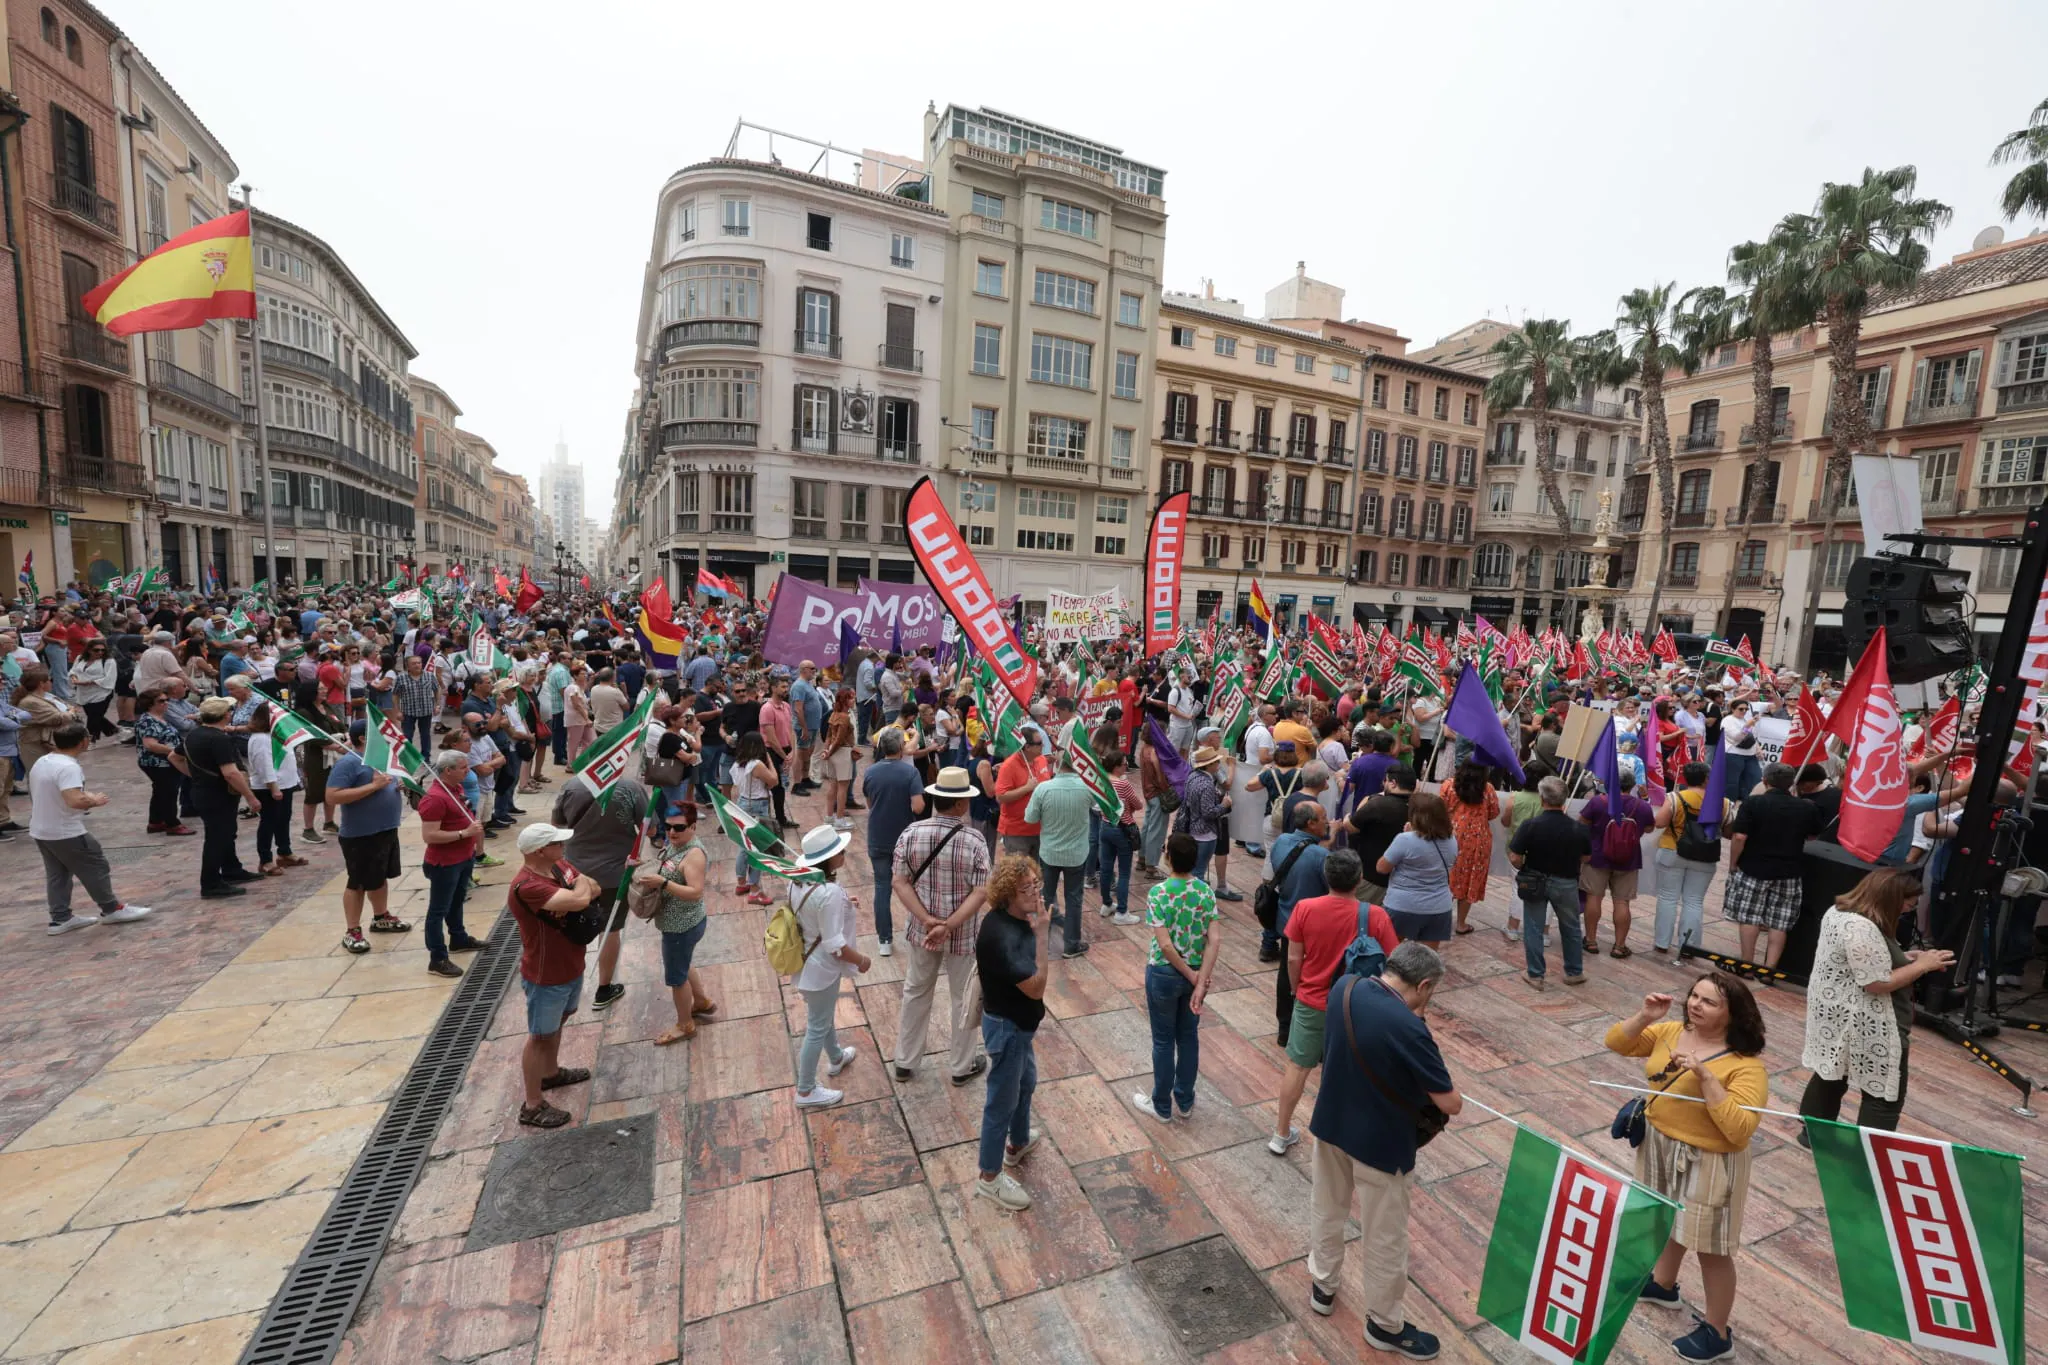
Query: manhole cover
pixel 1209 1295
pixel 565 1179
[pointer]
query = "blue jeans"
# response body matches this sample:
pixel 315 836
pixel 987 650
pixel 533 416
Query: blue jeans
pixel 508 788
pixel 1094 838
pixel 557 723
pixel 1113 868
pixel 708 761
pixel 884 867
pixel 1176 1047
pixel 820 1037
pixel 1562 895
pixel 1205 849
pixel 677 950
pixel 447 891
pixel 1744 772
pixel 1012 1076
pixel 745 873
pixel 1070 926
pixel 420 730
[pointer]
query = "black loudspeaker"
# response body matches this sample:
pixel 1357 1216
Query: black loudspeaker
pixel 1921 605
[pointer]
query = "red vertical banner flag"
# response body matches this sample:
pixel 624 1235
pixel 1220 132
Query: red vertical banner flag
pixel 957 577
pixel 1165 547
pixel 529 593
pixel 1874 784
pixel 1809 731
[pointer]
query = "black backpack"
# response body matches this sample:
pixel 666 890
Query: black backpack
pixel 1693 843
pixel 1266 898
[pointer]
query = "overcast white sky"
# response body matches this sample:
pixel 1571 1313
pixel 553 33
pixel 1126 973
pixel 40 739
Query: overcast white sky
pixel 489 171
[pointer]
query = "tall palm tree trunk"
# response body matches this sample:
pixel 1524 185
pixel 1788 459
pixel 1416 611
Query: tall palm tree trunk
pixel 1667 494
pixel 1849 434
pixel 1762 383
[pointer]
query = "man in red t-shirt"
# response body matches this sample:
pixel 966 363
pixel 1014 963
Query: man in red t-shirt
pixel 1016 779
pixel 1127 701
pixel 1318 933
pixel 550 964
pixel 333 680
pixel 453 836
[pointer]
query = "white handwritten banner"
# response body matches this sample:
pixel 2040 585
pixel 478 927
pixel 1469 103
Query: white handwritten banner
pixel 1071 616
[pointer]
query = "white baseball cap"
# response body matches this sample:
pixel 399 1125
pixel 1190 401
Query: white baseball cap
pixel 534 838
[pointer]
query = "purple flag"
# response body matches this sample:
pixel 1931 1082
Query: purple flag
pixel 849 639
pixel 1171 763
pixel 1472 716
pixel 1716 799
pixel 1603 763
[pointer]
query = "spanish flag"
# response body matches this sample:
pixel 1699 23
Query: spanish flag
pixel 1261 615
pixel 203 273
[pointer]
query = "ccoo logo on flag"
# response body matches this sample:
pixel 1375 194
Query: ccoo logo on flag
pixel 1934 1247
pixel 1572 1260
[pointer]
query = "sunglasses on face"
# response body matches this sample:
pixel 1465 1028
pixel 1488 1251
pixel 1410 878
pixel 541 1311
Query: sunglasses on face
pixel 678 829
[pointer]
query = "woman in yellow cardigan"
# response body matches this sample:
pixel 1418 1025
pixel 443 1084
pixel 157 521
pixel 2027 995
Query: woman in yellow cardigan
pixel 1697 1154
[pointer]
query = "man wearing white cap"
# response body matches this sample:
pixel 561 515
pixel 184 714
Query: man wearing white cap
pixel 545 891
pixel 940 875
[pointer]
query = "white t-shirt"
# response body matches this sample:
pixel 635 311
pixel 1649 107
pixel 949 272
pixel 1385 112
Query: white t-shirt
pixel 1258 740
pixel 751 783
pixel 52 817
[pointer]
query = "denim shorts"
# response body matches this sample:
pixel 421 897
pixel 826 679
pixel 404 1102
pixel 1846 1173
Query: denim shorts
pixel 548 1006
pixel 676 952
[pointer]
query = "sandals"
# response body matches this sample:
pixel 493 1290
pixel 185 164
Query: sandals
pixel 681 1033
pixel 567 1075
pixel 1462 929
pixel 703 1006
pixel 388 924
pixel 1621 950
pixel 542 1115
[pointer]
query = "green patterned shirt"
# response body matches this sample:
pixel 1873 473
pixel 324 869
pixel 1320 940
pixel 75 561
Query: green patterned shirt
pixel 1186 907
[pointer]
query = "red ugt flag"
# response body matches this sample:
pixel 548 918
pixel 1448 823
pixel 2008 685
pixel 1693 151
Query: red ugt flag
pixel 1874 785
pixel 529 592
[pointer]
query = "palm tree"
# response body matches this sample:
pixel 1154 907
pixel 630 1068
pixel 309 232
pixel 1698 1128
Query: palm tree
pixel 1860 238
pixel 1539 364
pixel 2027 191
pixel 1768 301
pixel 1644 352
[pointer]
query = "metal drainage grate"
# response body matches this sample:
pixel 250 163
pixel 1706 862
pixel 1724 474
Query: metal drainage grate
pixel 311 1313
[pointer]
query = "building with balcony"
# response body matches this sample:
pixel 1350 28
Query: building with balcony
pixel 1260 423
pixel 1051 293
pixel 787 402
pixel 457 510
pixel 1523 564
pixel 1953 372
pixel 90 482
pixel 514 545
pixel 344 479
pixel 175 176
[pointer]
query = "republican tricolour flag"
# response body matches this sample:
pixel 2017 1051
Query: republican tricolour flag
pixel 1572 1244
pixel 616 752
pixel 1928 1239
pixel 203 273
pixel 1261 615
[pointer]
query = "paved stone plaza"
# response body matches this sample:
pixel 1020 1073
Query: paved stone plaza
pixel 179 1098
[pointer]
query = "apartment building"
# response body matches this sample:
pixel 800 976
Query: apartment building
pixel 513 545
pixel 786 405
pixel 1523 567
pixel 1052 307
pixel 174 176
pixel 455 508
pixel 1260 422
pixel 1953 372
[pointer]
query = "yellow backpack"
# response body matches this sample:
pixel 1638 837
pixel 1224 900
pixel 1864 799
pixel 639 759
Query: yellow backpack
pixel 787 950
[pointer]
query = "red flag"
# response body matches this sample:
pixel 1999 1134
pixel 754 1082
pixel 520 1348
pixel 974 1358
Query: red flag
pixel 1664 647
pixel 1874 784
pixel 1842 721
pixel 504 584
pixel 529 592
pixel 1809 730
pixel 1324 632
pixel 585 582
pixel 1164 546
pixel 1580 665
pixel 655 599
pixel 1939 735
pixel 1742 648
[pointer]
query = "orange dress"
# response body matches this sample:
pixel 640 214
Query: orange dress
pixel 1473 826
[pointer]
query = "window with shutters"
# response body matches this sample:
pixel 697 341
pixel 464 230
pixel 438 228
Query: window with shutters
pixel 71 141
pixel 1468 465
pixel 1402 515
pixel 1411 397
pixel 1441 408
pixel 1174 476
pixel 1471 410
pixel 1397 568
pixel 1379 390
pixel 1940 471
pixel 1369 512
pixel 896 430
pixel 1425 571
pixel 1439 461
pixel 1333 500
pixel 817 313
pixel 1365 566
pixel 1461 522
pixel 1375 451
pixel 814 424
pixel 1338 432
pixel 1432 518
pixel 1404 456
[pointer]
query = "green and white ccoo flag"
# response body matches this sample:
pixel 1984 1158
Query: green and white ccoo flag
pixel 1721 654
pixel 762 846
pixel 616 752
pixel 1093 775
pixel 999 712
pixel 1572 1244
pixel 289 729
pixel 1928 1239
pixel 1322 668
pixel 1232 705
pixel 1418 671
pixel 412 599
pixel 387 750
pixel 1272 684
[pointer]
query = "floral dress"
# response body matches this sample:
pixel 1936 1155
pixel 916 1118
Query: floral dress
pixel 1473 826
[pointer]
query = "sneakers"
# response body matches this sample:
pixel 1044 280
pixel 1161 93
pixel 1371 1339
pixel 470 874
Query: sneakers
pixel 1652 1292
pixel 1004 1190
pixel 127 914
pixel 980 1065
pixel 841 822
pixel 606 996
pixel 1536 983
pixel 1578 980
pixel 1229 894
pixel 1013 1156
pixel 1704 1343
pixel 1074 950
pixel 1278 1145
pixel 1410 1341
pixel 1126 918
pixel 885 949
pixel 354 941
pixel 2011 979
pixel 309 834
pixel 1144 1103
pixel 846 1059
pixel 441 966
pixel 820 1098
pixel 75 922
pixel 486 860
pixel 1323 1301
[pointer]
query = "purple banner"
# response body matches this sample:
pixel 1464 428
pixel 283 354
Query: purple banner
pixel 804 622
pixel 913 607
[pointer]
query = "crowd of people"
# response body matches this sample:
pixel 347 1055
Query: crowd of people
pixel 1374 826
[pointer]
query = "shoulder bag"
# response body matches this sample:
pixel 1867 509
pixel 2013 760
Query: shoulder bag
pixel 1631 1121
pixel 1266 896
pixel 1429 1120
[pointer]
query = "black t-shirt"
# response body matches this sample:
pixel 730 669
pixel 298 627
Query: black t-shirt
pixel 1373 826
pixel 1778 825
pixel 164 618
pixel 1552 843
pixel 740 718
pixel 1828 801
pixel 1006 952
pixel 206 750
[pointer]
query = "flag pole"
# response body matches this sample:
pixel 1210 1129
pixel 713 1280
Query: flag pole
pixel 270 570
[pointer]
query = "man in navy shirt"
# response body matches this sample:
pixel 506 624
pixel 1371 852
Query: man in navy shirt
pixel 1364 1126
pixel 895 796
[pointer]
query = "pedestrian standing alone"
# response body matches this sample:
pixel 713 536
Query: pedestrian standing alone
pixel 156 740
pixel 1473 807
pixel 1010 959
pixel 1059 808
pixel 60 800
pixel 1859 1015
pixel 1180 911
pixel 835 757
pixel 1695 1149
pixel 1616 822
pixel 1417 866
pixel 1118 839
pixel 1548 850
pixel 830 923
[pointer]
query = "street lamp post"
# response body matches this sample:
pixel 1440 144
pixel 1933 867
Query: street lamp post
pixel 561 564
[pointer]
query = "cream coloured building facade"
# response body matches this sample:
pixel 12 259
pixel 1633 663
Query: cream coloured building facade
pixel 1051 320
